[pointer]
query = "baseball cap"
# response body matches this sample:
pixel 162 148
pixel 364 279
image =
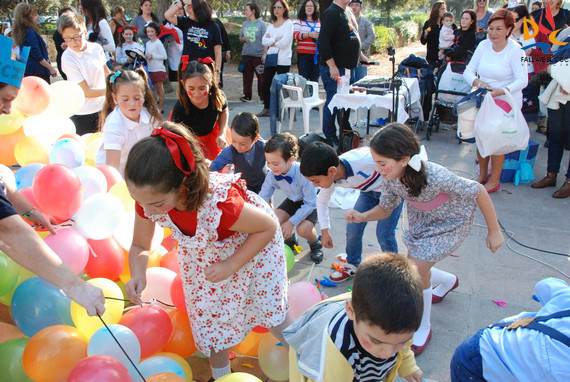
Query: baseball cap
pixel 356 1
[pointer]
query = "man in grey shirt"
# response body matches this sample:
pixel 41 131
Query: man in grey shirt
pixel 366 33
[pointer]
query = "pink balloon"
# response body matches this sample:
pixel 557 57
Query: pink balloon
pixel 152 325
pixel 302 295
pixel 170 261
pixel 111 174
pixel 158 283
pixel 99 368
pixel 58 191
pixel 71 247
pixel 34 96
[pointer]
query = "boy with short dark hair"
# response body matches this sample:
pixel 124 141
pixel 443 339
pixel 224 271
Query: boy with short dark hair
pixel 299 208
pixel 246 153
pixel 363 336
pixel 354 169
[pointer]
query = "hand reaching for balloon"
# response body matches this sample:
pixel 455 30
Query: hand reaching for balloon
pixel 219 271
pixel 41 221
pixel 134 288
pixel 86 295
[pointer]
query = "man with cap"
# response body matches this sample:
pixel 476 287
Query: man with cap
pixel 17 239
pixel 367 37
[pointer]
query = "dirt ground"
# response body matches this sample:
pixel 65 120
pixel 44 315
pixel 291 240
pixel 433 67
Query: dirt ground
pixel 233 83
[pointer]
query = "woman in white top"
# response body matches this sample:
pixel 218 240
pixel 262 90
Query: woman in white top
pixel 98 28
pixel 497 64
pixel 278 38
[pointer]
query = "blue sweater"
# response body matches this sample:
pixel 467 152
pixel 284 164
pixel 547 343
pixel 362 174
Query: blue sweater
pixel 38 52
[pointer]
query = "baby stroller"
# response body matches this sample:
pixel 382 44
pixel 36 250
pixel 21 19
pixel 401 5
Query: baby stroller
pixel 417 67
pixel 450 87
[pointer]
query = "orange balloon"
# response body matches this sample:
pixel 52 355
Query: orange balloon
pixel 250 344
pixel 7 144
pixel 181 342
pixel 126 273
pixel 31 150
pixel 50 355
pixel 71 136
pixel 34 96
pixel 165 377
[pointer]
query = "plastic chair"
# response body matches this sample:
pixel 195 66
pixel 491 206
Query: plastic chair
pixel 306 104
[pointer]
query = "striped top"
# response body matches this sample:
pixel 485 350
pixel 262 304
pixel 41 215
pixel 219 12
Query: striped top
pixel 308 45
pixel 367 368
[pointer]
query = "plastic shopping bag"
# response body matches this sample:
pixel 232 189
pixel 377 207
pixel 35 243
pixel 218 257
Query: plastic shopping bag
pixel 466 110
pixel 500 129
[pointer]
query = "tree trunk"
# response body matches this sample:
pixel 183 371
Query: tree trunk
pixel 388 21
pixel 323 5
pixel 163 5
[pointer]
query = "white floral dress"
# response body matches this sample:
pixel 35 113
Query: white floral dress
pixel 222 314
pixel 441 217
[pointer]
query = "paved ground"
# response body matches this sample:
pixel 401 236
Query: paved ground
pixel 535 218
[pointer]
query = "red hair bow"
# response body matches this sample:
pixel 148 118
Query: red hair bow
pixel 179 148
pixel 128 26
pixel 185 59
pixel 207 60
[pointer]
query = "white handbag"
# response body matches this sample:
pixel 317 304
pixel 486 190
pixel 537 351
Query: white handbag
pixel 499 132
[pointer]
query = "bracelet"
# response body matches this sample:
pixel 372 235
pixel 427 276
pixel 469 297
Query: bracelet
pixel 28 214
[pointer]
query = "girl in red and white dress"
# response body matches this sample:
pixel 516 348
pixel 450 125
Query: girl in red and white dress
pixel 231 253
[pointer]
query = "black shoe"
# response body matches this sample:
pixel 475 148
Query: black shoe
pixel 546 143
pixel 292 242
pixel 317 252
pixel 243 98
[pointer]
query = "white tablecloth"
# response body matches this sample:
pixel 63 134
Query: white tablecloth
pixel 357 100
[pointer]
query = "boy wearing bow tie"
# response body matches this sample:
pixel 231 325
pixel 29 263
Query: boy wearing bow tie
pixel 299 208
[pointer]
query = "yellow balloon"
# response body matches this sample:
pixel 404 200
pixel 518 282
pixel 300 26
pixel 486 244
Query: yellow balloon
pixel 167 232
pixel 91 149
pixel 238 377
pixel 181 361
pixel 120 191
pixel 113 308
pixel 67 98
pixel 10 123
pixel 31 150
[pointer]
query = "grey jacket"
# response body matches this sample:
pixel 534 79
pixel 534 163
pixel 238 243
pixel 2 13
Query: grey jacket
pixel 366 33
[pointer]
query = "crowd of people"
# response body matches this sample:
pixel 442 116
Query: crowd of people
pixel 229 232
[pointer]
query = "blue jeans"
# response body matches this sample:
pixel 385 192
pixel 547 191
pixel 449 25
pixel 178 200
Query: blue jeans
pixel 307 67
pixel 559 128
pixel 358 73
pixel 385 229
pixel 466 363
pixel 329 128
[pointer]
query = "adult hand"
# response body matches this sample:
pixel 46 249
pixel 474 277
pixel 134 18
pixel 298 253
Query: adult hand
pixel 496 92
pixel 263 58
pixel 415 377
pixel 41 221
pixel 149 56
pixel 278 38
pixel 88 296
pixel 245 38
pixel 353 216
pixel 53 72
pixel 134 288
pixel 426 32
pixel 219 271
pixel 335 74
pixel 221 142
pixel 288 229
pixel 228 56
pixel 64 45
pixel 326 239
pixel 494 240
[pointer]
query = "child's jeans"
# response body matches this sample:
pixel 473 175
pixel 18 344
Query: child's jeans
pixel 385 229
pixel 467 364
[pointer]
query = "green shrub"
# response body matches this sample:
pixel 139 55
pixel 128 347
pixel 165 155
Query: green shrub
pixel 236 45
pixel 407 31
pixel 384 37
pixel 420 19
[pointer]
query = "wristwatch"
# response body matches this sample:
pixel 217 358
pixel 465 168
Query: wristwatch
pixel 28 214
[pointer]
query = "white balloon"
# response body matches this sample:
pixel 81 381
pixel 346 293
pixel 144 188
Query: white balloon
pixel 8 175
pixel 48 127
pixel 92 180
pixel 124 233
pixel 66 100
pixel 99 216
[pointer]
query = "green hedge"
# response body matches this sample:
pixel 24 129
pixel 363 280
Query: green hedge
pixel 407 31
pixel 384 37
pixel 236 45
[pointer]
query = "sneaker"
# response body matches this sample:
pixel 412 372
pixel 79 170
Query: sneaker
pixel 263 113
pixel 244 98
pixel 317 252
pixel 348 273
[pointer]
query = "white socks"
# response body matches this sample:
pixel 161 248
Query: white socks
pixel 443 280
pixel 421 335
pixel 219 372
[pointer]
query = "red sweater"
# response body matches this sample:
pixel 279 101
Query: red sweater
pixel 308 45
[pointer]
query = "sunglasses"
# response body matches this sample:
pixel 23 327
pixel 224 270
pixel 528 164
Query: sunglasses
pixel 277 7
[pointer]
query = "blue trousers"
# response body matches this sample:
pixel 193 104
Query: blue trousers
pixel 385 229
pixel 559 128
pixel 358 73
pixel 329 128
pixel 466 363
pixel 307 67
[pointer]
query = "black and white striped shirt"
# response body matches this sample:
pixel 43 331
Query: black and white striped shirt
pixel 367 368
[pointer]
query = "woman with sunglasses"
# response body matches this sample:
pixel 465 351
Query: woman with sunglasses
pixel 278 38
pixel 483 13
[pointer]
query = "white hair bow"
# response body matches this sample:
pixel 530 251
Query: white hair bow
pixel 417 159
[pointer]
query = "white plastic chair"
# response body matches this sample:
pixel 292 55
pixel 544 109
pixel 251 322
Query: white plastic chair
pixel 306 104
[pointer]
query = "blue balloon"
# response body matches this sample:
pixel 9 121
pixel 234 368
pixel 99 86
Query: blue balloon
pixel 159 364
pixel 25 175
pixel 67 151
pixel 37 304
pixel 101 342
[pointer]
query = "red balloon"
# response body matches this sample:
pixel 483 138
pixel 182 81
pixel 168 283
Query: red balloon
pixel 181 342
pixel 71 247
pixel 57 189
pixel 177 294
pixel 99 368
pixel 169 243
pixel 170 261
pixel 111 174
pixel 106 259
pixel 152 326
pixel 34 96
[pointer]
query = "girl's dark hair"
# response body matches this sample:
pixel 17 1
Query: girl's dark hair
pixel 434 14
pixel 522 12
pixel 302 14
pixel 255 8
pixel 198 69
pixel 3 85
pixel 202 11
pixel 137 77
pixel 397 141
pixel 506 16
pixel 150 163
pixel 284 142
pixel 154 26
pixel 246 124
pixel 154 18
pixel 121 38
pixel 473 26
pixel 93 10
pixel 285 9
pixel 23 21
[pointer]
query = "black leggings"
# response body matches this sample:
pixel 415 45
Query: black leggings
pixel 268 74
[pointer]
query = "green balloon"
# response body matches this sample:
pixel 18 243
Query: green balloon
pixel 24 274
pixel 290 257
pixel 10 271
pixel 11 361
